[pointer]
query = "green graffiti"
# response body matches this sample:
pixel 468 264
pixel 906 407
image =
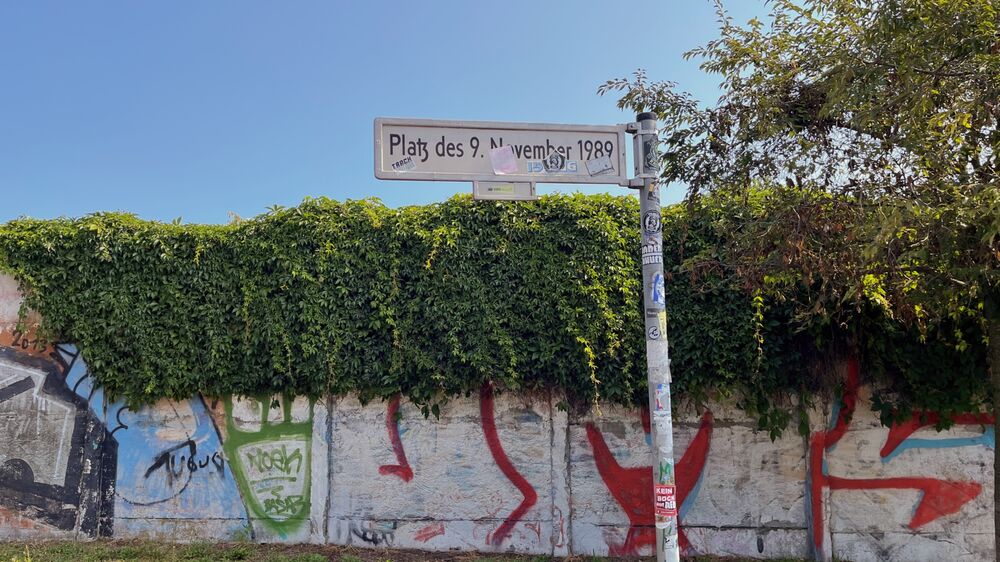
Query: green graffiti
pixel 272 465
pixel 666 475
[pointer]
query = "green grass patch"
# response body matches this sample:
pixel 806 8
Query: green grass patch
pixel 151 551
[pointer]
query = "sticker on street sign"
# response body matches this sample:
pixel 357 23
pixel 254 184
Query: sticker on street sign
pixel 503 191
pixel 425 149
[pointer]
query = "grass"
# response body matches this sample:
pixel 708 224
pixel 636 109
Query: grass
pixel 150 551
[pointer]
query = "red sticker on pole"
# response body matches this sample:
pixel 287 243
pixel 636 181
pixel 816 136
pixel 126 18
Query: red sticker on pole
pixel 666 500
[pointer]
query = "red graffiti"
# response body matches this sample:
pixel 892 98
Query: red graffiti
pixel 938 498
pixel 500 458
pixel 402 469
pixel 429 532
pixel 632 487
pixel 899 432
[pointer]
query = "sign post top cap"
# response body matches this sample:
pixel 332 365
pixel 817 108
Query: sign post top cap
pixel 645 115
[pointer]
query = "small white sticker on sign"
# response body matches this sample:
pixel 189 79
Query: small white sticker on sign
pixel 599 166
pixel 503 160
pixel 404 164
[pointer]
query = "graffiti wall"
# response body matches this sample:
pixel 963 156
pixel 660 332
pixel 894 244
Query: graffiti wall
pixel 496 472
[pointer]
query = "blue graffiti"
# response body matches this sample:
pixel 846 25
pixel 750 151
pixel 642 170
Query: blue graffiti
pixel 987 439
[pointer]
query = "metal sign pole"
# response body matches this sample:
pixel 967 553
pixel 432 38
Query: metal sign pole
pixel 504 161
pixel 657 359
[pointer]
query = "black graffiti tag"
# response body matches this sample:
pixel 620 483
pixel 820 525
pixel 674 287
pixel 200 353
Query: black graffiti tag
pixel 174 465
pixel 384 534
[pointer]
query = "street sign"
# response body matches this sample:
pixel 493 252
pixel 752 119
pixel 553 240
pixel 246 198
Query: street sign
pixel 503 191
pixel 425 149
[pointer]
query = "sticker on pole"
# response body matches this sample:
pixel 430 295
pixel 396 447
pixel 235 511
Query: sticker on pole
pixel 653 332
pixel 666 500
pixel 652 251
pixel 658 290
pixel 652 223
pixel 662 398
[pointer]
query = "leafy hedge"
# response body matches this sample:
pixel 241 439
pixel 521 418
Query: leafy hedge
pixel 428 302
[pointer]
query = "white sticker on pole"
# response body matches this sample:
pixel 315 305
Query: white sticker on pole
pixel 659 295
pixel 652 251
pixel 661 397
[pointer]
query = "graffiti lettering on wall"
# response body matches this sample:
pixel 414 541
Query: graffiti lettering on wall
pixel 29 342
pixel 429 532
pixel 272 464
pixel 632 488
pixel 486 411
pixel 488 419
pixel 173 463
pixel 899 439
pixel 375 533
pixel 172 467
pixel 57 459
pixel 402 468
pixel 74 461
pixel 938 497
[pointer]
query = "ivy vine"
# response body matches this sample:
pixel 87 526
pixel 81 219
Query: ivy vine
pixel 428 302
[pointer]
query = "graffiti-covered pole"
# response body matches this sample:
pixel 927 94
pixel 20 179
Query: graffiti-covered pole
pixel 647 167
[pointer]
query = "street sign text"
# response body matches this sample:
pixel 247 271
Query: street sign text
pixel 422 149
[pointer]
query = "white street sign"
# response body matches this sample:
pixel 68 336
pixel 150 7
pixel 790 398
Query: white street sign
pixel 424 149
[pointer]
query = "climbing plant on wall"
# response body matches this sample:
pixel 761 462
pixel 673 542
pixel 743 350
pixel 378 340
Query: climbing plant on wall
pixel 428 302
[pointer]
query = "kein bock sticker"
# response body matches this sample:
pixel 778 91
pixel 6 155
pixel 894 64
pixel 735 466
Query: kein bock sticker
pixel 666 500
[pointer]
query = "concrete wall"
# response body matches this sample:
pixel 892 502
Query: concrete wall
pixel 494 473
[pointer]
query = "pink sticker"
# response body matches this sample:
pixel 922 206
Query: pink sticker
pixel 666 500
pixel 503 160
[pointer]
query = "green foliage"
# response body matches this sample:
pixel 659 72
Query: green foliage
pixel 428 302
pixel 941 370
pixel 874 128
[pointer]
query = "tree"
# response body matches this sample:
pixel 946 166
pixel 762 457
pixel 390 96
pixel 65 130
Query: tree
pixel 872 128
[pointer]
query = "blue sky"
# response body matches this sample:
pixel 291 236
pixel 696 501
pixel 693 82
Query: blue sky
pixel 195 109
